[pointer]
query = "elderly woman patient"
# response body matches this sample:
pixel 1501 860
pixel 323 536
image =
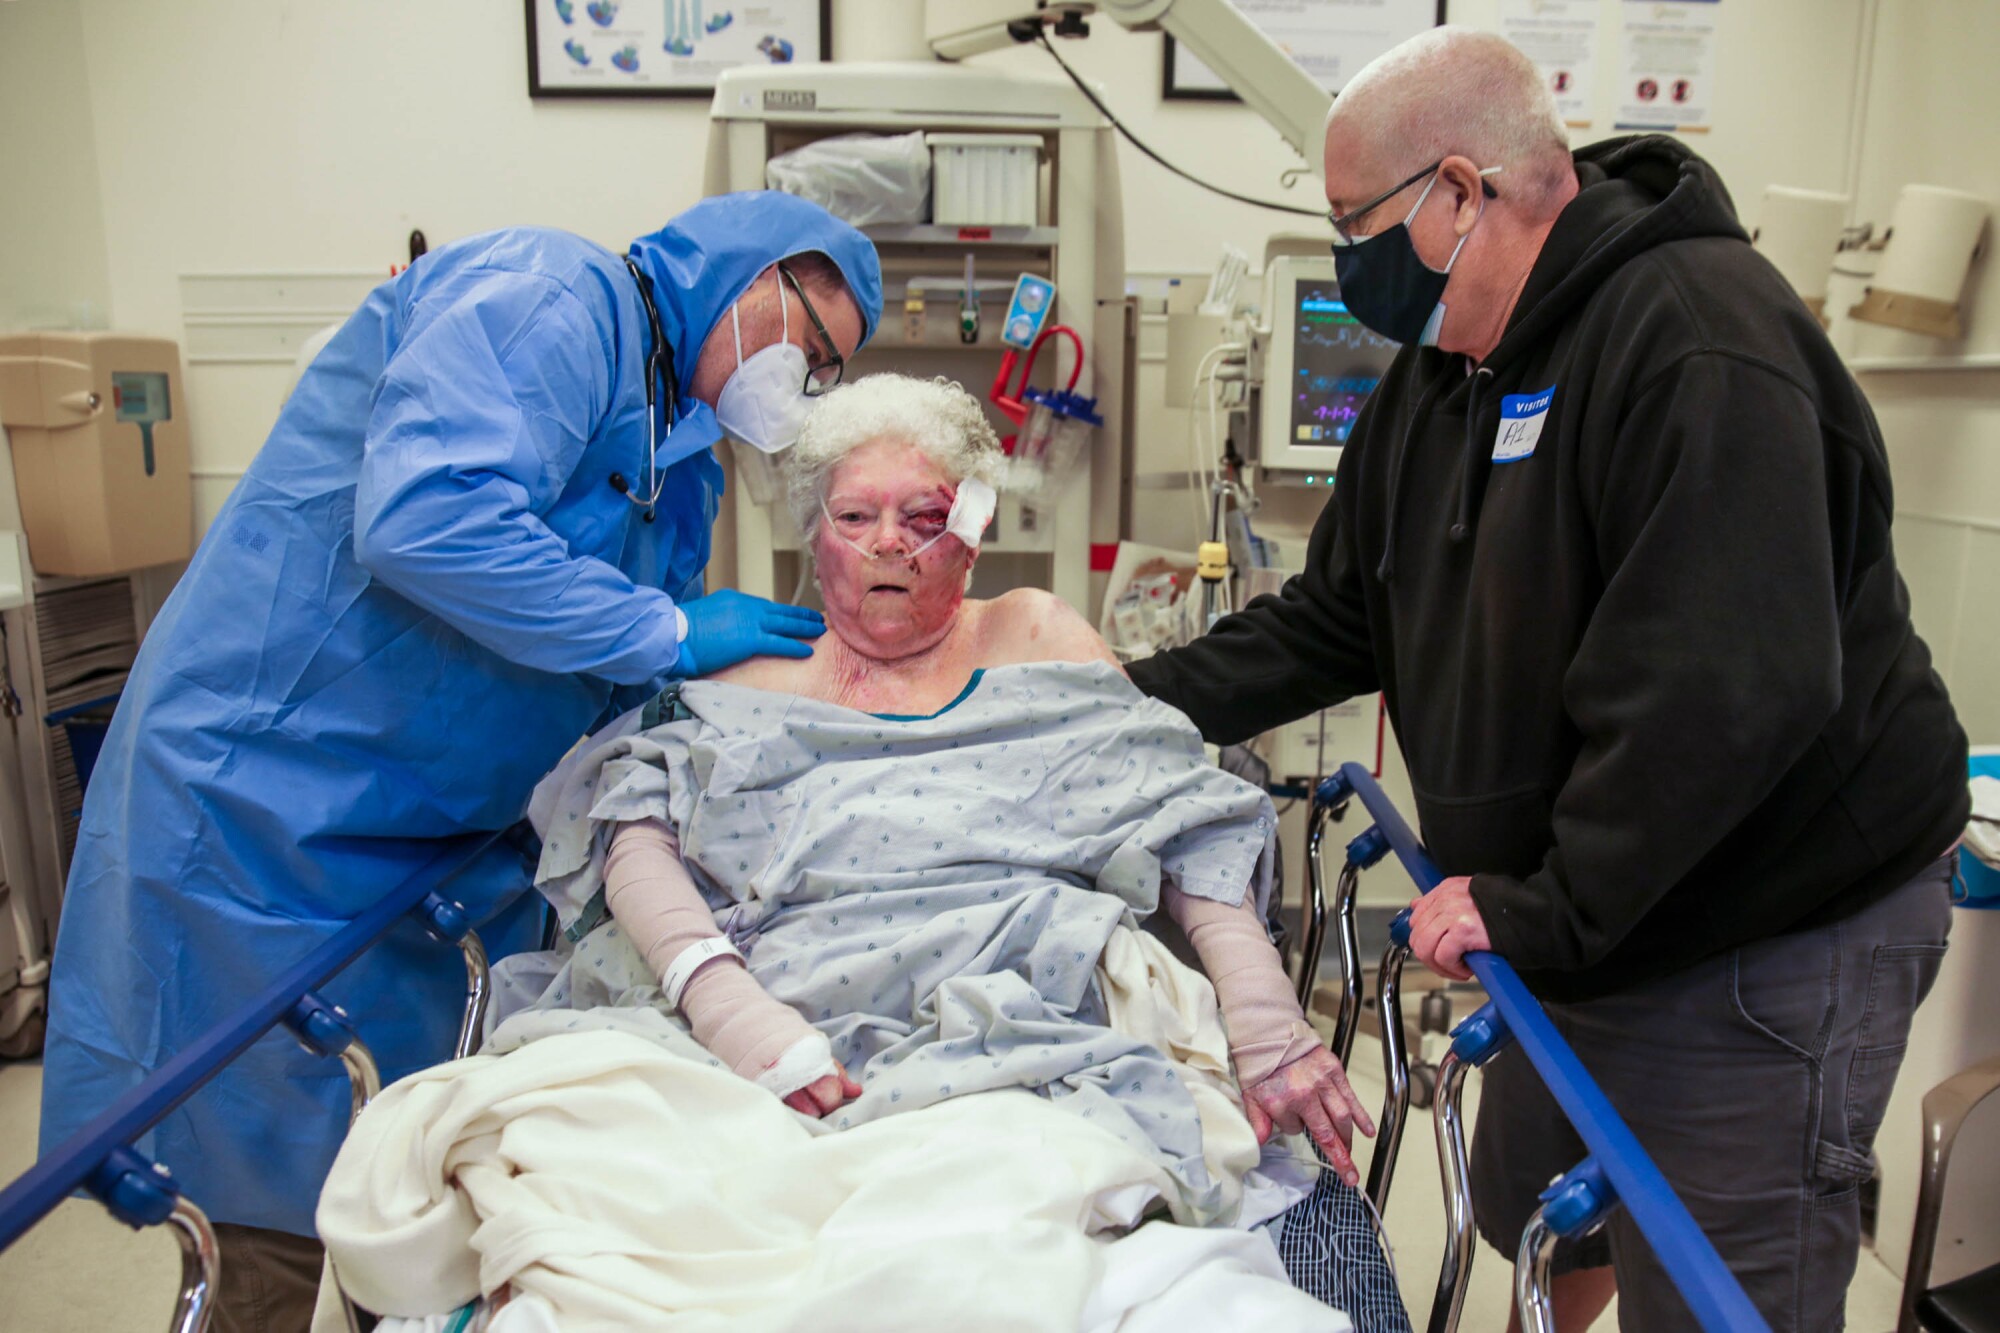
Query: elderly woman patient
pixel 874 483
pixel 908 870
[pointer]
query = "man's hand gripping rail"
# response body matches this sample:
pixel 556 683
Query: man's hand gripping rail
pixel 1618 1169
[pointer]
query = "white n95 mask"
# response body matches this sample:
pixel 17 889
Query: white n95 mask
pixel 764 404
pixel 971 510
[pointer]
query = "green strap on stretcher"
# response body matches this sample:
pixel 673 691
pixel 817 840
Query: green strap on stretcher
pixel 664 707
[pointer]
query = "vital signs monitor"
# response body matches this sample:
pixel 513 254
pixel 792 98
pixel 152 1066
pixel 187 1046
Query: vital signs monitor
pixel 1320 365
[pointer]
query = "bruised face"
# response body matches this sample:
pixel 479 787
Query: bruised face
pixel 886 598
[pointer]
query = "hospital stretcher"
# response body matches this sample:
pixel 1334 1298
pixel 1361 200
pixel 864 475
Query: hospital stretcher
pixel 100 1160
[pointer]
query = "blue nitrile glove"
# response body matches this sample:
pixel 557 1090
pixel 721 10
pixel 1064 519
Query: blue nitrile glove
pixel 726 627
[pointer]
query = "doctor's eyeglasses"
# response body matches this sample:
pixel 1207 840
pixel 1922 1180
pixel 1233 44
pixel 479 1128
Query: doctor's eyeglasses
pixel 826 375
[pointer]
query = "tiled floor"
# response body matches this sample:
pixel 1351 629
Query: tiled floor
pixel 80 1272
pixel 1416 1231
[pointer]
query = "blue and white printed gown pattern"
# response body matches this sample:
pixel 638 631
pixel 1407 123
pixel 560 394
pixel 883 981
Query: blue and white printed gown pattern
pixel 931 893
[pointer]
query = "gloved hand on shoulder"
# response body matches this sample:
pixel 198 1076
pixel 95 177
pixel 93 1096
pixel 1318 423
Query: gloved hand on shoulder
pixel 727 627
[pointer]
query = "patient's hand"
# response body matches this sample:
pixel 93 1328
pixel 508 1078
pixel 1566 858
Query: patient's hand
pixel 1289 1078
pixel 1311 1095
pixel 826 1095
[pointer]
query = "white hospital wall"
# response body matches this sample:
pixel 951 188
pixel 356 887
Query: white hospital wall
pixel 234 135
pixel 1934 118
pixel 1785 71
pixel 227 134
pixel 52 255
pixel 240 135
pixel 294 134
pixel 1778 119
pixel 289 134
pixel 1785 74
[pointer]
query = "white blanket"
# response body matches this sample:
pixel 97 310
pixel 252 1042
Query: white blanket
pixel 614 1183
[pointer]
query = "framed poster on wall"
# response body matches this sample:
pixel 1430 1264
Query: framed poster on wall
pixel 1330 39
pixel 664 48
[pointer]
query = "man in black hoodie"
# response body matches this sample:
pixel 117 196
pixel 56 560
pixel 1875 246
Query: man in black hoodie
pixel 1612 538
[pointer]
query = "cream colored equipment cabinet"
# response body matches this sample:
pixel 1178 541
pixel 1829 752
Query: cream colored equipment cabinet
pixel 67 643
pixel 1077 240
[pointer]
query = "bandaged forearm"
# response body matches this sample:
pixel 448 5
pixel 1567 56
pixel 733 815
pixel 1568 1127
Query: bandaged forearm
pixel 651 894
pixel 1260 1012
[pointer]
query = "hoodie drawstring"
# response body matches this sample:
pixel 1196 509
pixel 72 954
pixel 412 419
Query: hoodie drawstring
pixel 1474 447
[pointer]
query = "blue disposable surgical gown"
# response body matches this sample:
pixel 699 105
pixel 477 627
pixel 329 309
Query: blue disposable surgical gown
pixel 424 590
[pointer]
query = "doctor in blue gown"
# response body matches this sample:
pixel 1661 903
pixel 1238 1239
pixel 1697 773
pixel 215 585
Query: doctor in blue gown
pixel 443 568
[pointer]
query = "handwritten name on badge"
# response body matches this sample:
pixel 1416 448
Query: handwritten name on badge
pixel 1521 418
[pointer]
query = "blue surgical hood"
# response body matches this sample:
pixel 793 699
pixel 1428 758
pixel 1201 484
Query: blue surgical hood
pixel 708 256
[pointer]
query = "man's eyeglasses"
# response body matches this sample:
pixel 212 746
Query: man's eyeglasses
pixel 1343 222
pixel 827 373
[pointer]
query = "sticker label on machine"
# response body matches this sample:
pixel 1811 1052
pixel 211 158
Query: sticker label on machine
pixel 1521 418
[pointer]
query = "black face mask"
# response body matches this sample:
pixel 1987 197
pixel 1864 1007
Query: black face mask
pixel 1388 286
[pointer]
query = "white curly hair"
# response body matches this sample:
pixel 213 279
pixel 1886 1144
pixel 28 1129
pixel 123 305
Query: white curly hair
pixel 938 416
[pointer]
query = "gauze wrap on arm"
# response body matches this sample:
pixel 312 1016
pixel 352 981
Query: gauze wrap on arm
pixel 651 894
pixel 1260 1013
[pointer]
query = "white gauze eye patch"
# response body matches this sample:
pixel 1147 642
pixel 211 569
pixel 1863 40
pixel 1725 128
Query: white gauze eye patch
pixel 971 510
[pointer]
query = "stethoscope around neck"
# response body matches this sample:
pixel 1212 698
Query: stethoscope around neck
pixel 659 371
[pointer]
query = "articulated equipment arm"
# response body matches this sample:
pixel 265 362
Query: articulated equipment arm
pixel 1253 66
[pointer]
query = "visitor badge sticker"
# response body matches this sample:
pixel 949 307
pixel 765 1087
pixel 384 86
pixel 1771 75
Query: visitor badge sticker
pixel 1521 418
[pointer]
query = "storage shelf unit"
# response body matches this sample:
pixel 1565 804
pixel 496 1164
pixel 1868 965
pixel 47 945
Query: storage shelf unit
pixel 73 643
pixel 1078 241
pixel 84 638
pixel 27 901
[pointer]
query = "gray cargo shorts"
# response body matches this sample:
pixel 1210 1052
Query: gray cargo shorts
pixel 1756 1081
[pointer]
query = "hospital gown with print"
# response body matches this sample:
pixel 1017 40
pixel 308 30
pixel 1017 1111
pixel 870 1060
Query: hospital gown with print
pixel 934 893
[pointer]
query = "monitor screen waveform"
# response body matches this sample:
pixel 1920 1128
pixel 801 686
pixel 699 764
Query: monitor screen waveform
pixel 1338 360
pixel 1336 336
pixel 1324 384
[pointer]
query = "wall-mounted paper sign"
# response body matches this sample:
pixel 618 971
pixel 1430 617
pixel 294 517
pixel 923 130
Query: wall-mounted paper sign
pixel 1667 75
pixel 1560 36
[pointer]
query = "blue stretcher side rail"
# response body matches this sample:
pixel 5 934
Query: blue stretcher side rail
pixel 1617 1171
pixel 100 1159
